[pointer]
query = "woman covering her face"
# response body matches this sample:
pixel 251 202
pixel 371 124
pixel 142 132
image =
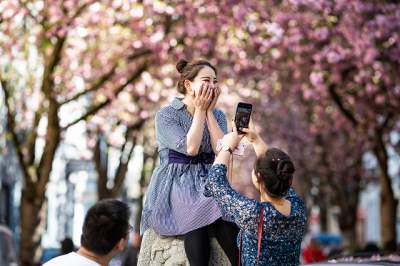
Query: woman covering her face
pixel 187 131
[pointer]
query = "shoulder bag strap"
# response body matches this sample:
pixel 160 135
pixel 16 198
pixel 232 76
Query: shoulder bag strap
pixel 260 227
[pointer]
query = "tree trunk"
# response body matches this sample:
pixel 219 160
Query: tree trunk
pixel 33 207
pixel 100 157
pixel 146 172
pixel 348 219
pixel 323 213
pixel 388 216
pixel 388 203
pixel 32 222
pixel 349 237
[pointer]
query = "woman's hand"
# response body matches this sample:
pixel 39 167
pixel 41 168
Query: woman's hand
pixel 232 139
pixel 203 98
pixel 250 132
pixel 216 92
pixel 260 147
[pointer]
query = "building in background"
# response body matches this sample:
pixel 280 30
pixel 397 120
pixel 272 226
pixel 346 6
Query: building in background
pixel 72 189
pixel 369 230
pixel 10 179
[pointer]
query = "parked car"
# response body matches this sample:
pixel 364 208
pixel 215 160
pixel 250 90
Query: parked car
pixel 48 254
pixel 358 259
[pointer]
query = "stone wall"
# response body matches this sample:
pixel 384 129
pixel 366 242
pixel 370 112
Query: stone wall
pixel 159 250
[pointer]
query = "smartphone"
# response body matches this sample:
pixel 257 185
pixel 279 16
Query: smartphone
pixel 242 116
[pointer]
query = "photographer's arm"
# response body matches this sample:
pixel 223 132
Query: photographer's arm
pixel 242 210
pixel 260 147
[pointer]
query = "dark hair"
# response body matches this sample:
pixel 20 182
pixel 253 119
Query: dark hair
pixel 67 246
pixel 106 223
pixel 189 71
pixel 276 169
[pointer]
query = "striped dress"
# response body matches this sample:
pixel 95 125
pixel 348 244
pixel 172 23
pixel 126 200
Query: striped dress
pixel 175 203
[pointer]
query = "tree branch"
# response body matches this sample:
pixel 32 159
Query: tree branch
pixel 23 4
pixel 101 168
pixel 31 140
pixel 106 77
pixel 94 109
pixel 52 141
pixel 386 122
pixel 338 101
pixel 103 79
pixel 11 129
pixel 56 54
pixel 126 154
pixel 55 58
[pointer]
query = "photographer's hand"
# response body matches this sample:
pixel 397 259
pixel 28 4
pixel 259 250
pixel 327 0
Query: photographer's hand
pixel 260 147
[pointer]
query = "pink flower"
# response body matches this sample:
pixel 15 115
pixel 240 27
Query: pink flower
pixel 333 57
pixel 321 34
pixel 144 114
pixel 308 94
pixel 371 89
pixel 370 55
pixel 316 78
pixel 380 99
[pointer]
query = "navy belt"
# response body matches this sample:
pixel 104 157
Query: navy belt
pixel 202 158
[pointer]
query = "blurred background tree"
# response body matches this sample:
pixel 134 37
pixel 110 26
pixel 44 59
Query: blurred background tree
pixel 344 59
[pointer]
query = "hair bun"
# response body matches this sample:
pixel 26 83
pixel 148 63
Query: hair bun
pixel 180 66
pixel 284 170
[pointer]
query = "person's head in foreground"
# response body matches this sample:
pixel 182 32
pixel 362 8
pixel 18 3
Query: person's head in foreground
pixel 105 234
pixel 273 173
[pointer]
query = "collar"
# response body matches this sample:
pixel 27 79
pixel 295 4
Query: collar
pixel 177 103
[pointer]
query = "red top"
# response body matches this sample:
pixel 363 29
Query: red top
pixel 313 254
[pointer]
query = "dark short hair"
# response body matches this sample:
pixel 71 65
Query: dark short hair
pixel 276 169
pixel 189 71
pixel 106 223
pixel 67 246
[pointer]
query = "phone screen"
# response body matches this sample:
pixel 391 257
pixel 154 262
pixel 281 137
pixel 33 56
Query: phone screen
pixel 242 117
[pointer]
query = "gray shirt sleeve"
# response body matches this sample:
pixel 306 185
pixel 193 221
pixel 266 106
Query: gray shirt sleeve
pixel 170 133
pixel 221 119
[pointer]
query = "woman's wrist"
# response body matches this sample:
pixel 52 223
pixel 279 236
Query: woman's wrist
pixel 231 145
pixel 223 157
pixel 200 111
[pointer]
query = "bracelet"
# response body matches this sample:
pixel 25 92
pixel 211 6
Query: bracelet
pixel 227 148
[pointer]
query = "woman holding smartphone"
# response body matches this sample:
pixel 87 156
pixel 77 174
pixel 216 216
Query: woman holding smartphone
pixel 187 131
pixel 271 228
